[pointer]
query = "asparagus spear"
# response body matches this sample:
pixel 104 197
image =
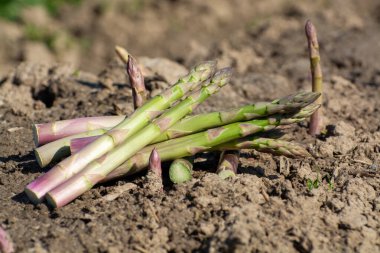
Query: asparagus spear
pixel 52 131
pixel 228 164
pixel 154 175
pixel 209 140
pixel 99 168
pixel 267 145
pixel 180 171
pixel 188 125
pixel 128 127
pixel 136 79
pixel 316 74
pixel 46 133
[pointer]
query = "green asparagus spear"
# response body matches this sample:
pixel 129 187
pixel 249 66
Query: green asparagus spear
pixel 127 128
pixel 99 168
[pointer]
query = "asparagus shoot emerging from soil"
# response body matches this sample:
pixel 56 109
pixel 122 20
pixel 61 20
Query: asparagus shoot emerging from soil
pixel 316 75
pixel 155 163
pixel 6 245
pixel 180 171
pixel 101 167
pixel 154 175
pixel 212 139
pixel 228 165
pixel 137 82
pixel 37 189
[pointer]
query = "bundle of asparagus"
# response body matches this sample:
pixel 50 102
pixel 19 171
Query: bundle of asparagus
pixel 105 148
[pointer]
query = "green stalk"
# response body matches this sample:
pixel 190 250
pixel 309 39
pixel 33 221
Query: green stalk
pixel 99 168
pixel 316 74
pixel 228 165
pixel 180 171
pixel 186 126
pixel 127 128
pixel 221 138
pixel 267 145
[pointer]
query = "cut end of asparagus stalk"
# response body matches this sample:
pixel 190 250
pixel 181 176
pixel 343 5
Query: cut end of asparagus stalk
pixel 180 171
pixel 35 135
pixel 39 159
pixel 32 196
pixel 228 164
pixel 122 53
pixel 51 201
pixel 224 174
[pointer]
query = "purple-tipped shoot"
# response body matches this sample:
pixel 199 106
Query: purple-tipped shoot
pixel 180 171
pixel 316 75
pixel 155 163
pixel 228 165
pixel 154 174
pixel 6 245
pixel 136 79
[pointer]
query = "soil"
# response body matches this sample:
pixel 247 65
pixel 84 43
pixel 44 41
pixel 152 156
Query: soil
pixel 268 207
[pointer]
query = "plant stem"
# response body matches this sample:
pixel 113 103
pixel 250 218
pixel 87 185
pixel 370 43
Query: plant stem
pixel 97 170
pixel 52 131
pixel 154 174
pixel 316 74
pixel 137 83
pixel 127 128
pixel 186 126
pixel 221 138
pixel 180 171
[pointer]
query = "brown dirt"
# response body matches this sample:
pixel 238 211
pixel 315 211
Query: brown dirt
pixel 267 207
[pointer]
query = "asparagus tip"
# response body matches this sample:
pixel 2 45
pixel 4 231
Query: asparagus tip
pixel 122 53
pixel 311 32
pixel 180 171
pixel 155 162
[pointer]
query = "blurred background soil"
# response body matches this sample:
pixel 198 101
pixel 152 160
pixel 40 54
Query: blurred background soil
pixel 57 61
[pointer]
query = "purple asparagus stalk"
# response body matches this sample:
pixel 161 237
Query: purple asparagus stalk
pixel 48 132
pixel 228 165
pixel 37 189
pixel 316 75
pixel 137 83
pixel 6 245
